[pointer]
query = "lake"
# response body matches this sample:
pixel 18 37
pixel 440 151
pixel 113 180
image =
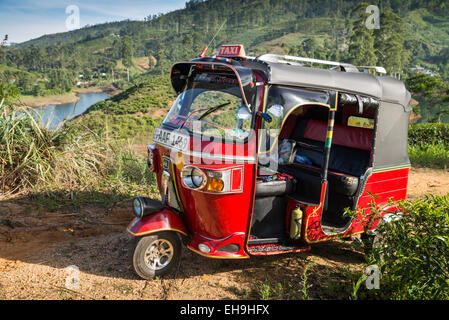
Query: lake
pixel 52 114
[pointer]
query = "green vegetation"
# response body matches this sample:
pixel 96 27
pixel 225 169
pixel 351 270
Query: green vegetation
pixel 429 145
pixel 69 166
pixel 412 252
pixel 149 94
pixel 134 112
pixel 413 33
pixel 433 96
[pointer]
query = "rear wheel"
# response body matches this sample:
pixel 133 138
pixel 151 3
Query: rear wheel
pixel 156 254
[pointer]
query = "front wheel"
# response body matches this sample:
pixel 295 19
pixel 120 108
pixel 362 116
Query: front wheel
pixel 156 254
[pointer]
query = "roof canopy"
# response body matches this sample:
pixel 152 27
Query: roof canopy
pixel 382 88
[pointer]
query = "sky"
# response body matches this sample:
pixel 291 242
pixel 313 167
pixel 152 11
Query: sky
pixel 23 20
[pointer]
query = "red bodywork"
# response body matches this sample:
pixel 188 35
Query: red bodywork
pixel 385 185
pixel 218 220
pixel 165 220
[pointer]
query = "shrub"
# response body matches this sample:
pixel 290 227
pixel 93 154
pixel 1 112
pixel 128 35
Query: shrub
pixel 429 145
pixel 429 133
pixel 413 252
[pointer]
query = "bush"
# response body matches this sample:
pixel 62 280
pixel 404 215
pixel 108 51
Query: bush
pixel 428 133
pixel 413 252
pixel 429 145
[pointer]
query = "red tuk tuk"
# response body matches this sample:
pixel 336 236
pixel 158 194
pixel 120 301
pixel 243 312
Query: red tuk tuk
pixel 263 155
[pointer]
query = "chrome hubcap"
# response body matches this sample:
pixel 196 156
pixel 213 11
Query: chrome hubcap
pixel 159 254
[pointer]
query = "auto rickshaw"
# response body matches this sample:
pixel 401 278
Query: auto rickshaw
pixel 261 156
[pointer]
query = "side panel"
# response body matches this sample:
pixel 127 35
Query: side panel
pixel 384 185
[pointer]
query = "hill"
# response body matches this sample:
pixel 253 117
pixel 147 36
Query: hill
pixel 321 29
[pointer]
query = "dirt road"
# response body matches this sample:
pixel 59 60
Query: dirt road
pixel 42 252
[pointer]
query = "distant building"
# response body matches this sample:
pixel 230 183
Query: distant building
pixel 429 72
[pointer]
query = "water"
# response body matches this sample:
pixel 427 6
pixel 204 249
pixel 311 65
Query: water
pixel 52 114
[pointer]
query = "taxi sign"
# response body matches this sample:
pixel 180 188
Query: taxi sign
pixel 231 51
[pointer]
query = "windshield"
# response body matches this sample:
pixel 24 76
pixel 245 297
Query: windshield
pixel 211 105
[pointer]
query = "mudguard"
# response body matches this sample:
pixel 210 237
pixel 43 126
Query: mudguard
pixel 164 220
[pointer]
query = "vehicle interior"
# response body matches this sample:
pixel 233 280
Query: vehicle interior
pixel 299 178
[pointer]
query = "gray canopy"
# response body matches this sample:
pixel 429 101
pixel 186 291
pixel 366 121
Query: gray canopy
pixel 391 97
pixel 382 88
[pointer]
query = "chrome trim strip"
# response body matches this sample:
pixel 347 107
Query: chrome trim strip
pixel 201 155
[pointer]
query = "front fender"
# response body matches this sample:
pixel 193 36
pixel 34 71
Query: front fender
pixel 165 220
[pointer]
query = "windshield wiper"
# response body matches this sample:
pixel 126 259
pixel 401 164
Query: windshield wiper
pixel 209 111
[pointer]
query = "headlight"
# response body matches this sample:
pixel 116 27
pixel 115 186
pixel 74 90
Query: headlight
pixel 137 207
pixel 143 207
pixel 193 178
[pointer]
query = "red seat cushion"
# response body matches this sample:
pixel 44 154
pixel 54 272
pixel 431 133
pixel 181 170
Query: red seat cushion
pixel 352 137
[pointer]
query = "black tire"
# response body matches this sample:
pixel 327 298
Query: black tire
pixel 370 242
pixel 151 245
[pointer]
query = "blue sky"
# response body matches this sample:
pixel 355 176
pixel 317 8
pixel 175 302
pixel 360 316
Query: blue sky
pixel 27 19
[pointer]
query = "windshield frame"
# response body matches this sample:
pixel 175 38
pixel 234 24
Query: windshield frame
pixel 225 139
pixel 252 106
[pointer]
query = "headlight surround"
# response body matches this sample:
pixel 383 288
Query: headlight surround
pixel 213 180
pixel 143 207
pixel 193 178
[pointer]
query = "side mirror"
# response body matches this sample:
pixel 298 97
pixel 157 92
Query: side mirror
pixel 276 110
pixel 243 114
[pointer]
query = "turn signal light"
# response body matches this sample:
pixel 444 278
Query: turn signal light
pixel 216 185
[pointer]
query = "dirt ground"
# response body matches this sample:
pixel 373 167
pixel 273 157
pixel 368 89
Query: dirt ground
pixel 42 252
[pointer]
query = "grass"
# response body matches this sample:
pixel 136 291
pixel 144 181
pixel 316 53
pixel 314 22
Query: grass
pixel 431 155
pixel 67 167
pixel 429 145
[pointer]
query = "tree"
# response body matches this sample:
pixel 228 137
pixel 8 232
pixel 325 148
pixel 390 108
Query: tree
pixel 161 55
pixel 59 80
pixel 197 43
pixel 389 43
pixel 127 51
pixel 8 93
pixel 26 83
pixel 2 49
pixel 361 42
pixel 432 93
pixel 187 45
